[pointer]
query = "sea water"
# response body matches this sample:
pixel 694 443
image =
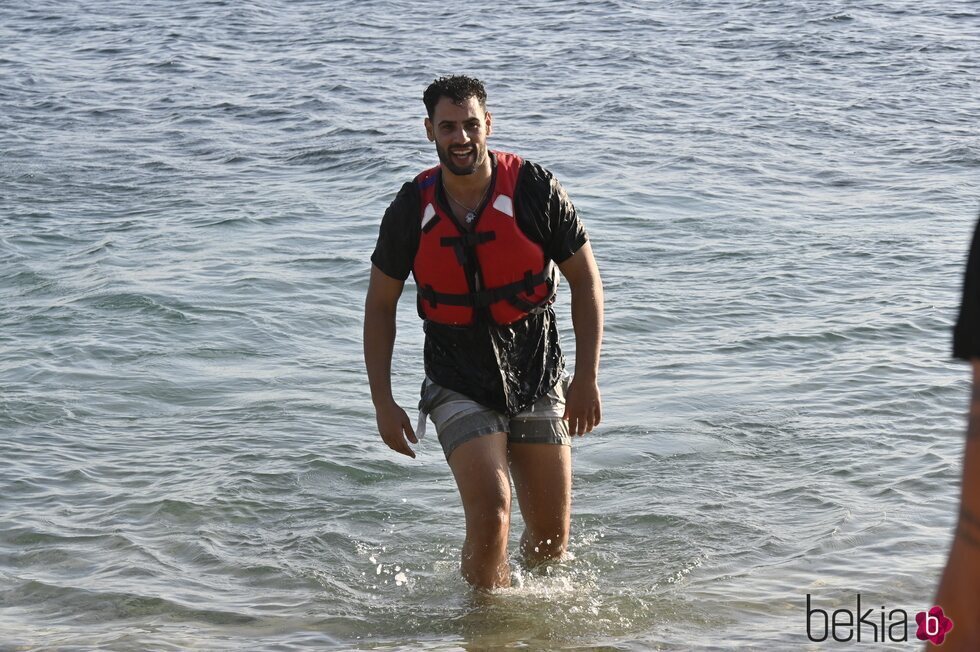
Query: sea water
pixel 779 194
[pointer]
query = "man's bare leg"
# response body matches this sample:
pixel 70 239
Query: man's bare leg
pixel 543 482
pixel 480 469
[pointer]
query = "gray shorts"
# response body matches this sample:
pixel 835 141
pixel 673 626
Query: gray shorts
pixel 459 419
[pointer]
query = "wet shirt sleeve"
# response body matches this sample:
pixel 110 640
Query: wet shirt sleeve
pixel 966 334
pixel 546 214
pixel 398 238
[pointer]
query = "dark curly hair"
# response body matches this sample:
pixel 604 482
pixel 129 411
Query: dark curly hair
pixel 458 88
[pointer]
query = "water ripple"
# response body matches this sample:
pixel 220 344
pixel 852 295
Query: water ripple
pixel 780 196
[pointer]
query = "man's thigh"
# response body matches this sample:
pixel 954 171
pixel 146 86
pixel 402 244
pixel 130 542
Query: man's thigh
pixel 458 418
pixel 541 423
pixel 543 483
pixel 541 464
pixel 480 468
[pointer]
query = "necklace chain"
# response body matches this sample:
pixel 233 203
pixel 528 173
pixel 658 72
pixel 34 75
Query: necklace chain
pixel 470 212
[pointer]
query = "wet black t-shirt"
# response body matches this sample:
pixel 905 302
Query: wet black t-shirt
pixel 966 334
pixel 506 368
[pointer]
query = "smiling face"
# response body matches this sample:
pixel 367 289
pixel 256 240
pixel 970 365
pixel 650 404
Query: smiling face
pixel 460 132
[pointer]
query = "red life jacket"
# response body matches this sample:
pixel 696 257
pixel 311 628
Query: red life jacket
pixel 493 270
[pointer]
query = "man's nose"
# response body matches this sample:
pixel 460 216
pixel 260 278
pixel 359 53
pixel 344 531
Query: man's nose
pixel 460 135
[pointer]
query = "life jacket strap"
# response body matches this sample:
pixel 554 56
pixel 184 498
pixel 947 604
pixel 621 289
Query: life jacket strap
pixel 461 244
pixel 484 298
pixel 550 281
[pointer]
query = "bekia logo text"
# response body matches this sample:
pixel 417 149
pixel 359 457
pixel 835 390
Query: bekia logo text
pixel 873 625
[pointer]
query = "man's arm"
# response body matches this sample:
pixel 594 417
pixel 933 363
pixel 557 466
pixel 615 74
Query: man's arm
pixel 380 308
pixel 583 405
pixel 959 589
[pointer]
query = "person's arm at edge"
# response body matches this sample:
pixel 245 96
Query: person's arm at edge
pixel 959 588
pixel 380 308
pixel 583 405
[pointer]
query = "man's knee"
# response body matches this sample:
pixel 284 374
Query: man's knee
pixel 491 517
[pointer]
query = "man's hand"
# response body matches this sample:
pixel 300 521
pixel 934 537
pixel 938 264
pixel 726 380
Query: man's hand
pixel 394 426
pixel 379 340
pixel 583 406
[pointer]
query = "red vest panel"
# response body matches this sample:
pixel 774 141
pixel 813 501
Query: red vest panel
pixel 493 270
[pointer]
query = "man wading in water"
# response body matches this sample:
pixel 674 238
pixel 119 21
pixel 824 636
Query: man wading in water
pixel 482 233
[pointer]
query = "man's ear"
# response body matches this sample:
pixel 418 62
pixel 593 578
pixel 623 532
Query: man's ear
pixel 430 134
pixel 489 120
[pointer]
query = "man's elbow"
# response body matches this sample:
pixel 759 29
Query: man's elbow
pixel 378 312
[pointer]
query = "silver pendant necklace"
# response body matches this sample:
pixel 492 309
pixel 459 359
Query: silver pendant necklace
pixel 470 212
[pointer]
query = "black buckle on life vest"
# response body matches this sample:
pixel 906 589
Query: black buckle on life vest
pixel 462 243
pixel 529 282
pixel 511 291
pixel 435 298
pixel 429 295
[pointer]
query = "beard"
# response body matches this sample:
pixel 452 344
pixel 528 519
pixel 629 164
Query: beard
pixel 478 156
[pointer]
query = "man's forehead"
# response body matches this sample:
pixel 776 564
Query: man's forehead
pixel 446 110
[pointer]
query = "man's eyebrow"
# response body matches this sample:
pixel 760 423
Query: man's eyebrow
pixel 452 122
